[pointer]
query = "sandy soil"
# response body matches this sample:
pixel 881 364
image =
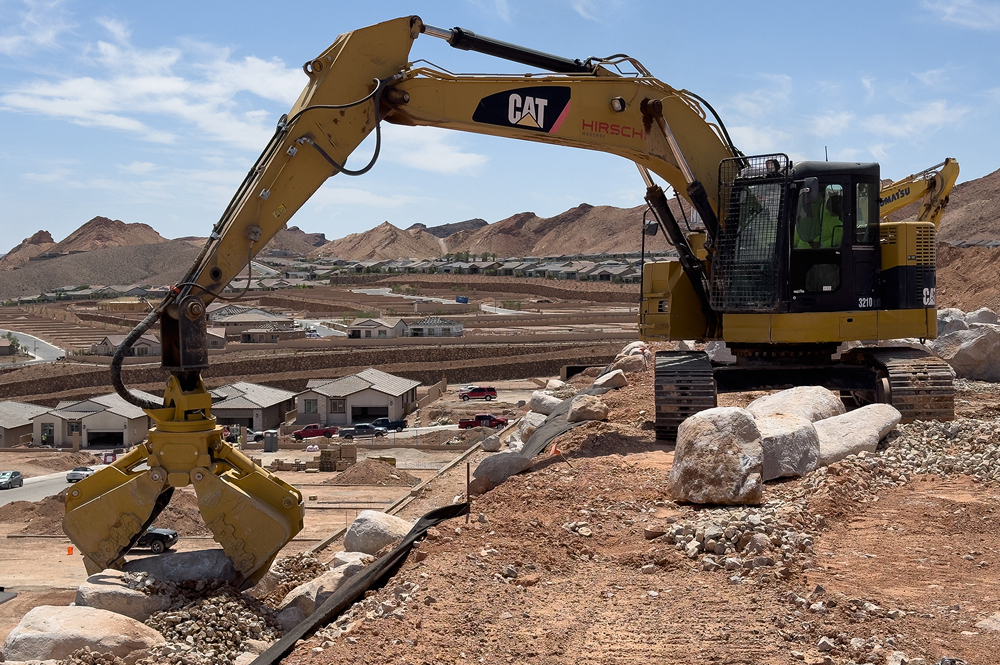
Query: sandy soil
pixel 43 462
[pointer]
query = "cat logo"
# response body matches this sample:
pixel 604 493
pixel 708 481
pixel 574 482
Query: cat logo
pixel 540 108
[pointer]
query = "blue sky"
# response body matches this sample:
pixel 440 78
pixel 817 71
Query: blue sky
pixel 153 112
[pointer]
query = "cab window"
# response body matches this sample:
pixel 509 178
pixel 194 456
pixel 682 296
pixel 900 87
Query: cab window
pixel 820 225
pixel 863 217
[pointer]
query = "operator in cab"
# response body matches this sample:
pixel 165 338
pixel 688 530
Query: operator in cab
pixel 811 232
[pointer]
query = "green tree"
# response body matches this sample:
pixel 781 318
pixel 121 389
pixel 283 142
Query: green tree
pixel 493 255
pixel 486 256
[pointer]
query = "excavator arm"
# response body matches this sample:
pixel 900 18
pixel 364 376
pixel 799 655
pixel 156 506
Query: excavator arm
pixel 363 78
pixel 931 187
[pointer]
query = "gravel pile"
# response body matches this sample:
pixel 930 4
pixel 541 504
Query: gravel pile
pixel 85 656
pixel 289 572
pixel 211 626
pixel 965 446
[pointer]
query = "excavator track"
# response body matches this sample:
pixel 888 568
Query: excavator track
pixel 683 386
pixel 921 386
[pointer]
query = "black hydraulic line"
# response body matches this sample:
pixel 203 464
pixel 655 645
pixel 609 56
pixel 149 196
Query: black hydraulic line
pixel 122 351
pixel 374 575
pixel 470 41
pixel 722 126
pixel 699 201
pixel 693 267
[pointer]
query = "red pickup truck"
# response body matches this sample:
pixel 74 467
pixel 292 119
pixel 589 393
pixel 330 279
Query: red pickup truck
pixel 477 392
pixel 483 420
pixel 314 429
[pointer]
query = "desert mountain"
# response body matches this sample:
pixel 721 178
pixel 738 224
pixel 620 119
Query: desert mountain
pixel 585 229
pixel 445 230
pixel 33 246
pixel 155 264
pixel 295 240
pixel 973 211
pixel 384 242
pixel 101 232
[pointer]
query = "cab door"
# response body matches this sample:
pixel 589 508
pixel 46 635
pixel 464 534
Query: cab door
pixel 865 250
pixel 821 265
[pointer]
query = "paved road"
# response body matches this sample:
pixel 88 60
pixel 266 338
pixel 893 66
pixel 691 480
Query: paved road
pixel 322 330
pixel 39 487
pixel 42 350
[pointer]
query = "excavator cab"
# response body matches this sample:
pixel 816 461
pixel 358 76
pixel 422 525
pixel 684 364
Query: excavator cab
pixel 796 238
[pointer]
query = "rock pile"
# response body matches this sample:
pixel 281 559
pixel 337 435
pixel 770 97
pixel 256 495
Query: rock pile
pixel 965 446
pixel 211 626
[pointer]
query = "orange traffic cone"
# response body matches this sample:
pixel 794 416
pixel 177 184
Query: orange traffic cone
pixel 69 550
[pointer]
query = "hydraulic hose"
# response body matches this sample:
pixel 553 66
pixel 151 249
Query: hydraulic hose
pixel 122 351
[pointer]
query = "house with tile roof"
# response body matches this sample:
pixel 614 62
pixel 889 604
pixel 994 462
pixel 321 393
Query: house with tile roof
pixel 377 328
pixel 147 345
pixel 358 398
pixel 251 405
pixel 107 420
pixel 435 326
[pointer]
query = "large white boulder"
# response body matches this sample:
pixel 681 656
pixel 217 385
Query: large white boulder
pixel 810 402
pixel 613 379
pixel 491 444
pixel 178 567
pixel 982 315
pixel 498 468
pixel 530 421
pixel 586 407
pixel 307 597
pixel 971 353
pixel 718 352
pixel 111 590
pixel 855 431
pixel 53 633
pixel 633 346
pixel 718 458
pixel 372 530
pixel 950 319
pixel 344 558
pixel 555 384
pixel 542 402
pixel 630 364
pixel 790 446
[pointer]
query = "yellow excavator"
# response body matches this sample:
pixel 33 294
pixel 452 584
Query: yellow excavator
pixel 792 262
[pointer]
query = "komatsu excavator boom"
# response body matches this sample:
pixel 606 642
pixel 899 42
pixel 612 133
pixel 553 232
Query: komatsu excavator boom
pixel 736 282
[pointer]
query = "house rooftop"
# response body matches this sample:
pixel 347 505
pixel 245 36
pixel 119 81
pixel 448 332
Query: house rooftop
pixel 355 383
pixel 250 395
pixel 19 414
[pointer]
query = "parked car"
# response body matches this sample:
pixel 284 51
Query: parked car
pixel 314 429
pixel 477 392
pixel 79 473
pixel 255 435
pixel 109 458
pixel 10 480
pixel 391 425
pixel 483 420
pixel 362 430
pixel 157 541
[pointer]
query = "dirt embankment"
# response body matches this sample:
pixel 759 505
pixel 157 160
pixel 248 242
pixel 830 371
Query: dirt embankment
pixel 33 463
pixel 45 517
pixel 374 472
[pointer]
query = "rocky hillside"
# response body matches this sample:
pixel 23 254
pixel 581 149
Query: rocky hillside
pixel 40 242
pixel 445 230
pixel 384 242
pixel 157 264
pixel 101 232
pixel 973 211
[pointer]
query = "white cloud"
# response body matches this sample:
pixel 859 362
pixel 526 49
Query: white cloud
pixel 972 14
pixel 585 8
pixel 831 123
pixel 757 140
pixel 60 175
pixel 503 10
pixel 118 30
pixel 39 24
pixel 933 78
pixel 137 168
pixel 869 84
pixel 762 101
pixel 880 150
pixel 428 149
pixel 135 90
pixel 917 123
